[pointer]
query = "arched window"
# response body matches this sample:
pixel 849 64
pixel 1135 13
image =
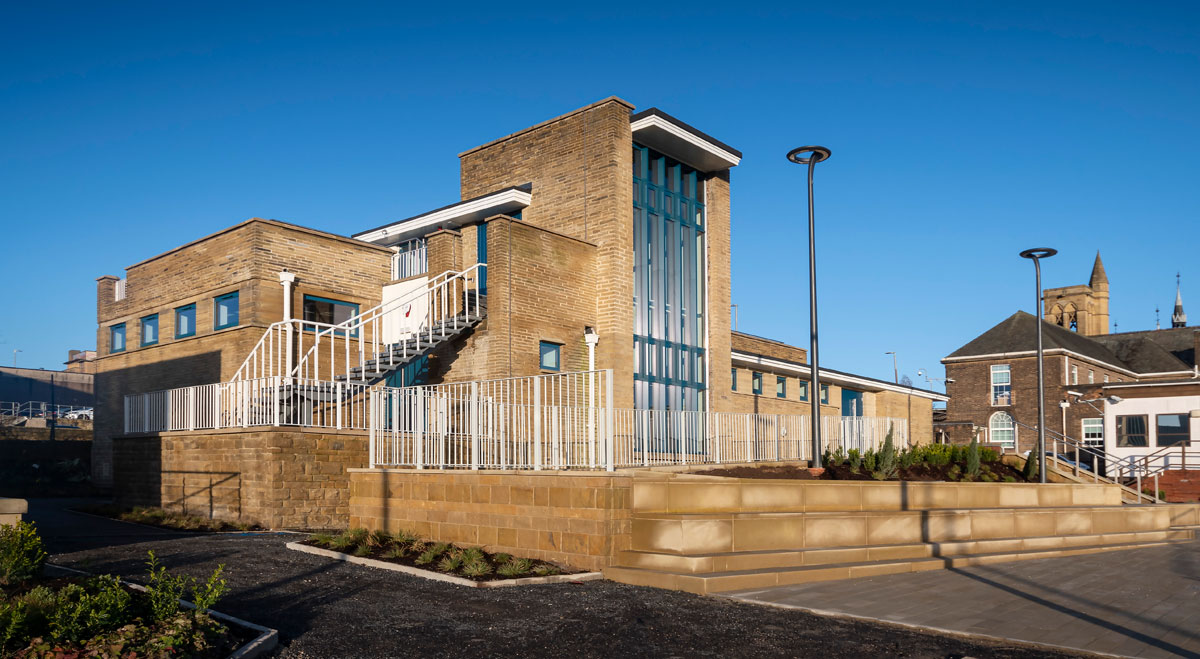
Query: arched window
pixel 1002 430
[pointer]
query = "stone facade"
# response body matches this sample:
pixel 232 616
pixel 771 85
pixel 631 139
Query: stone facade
pixel 278 478
pixel 579 519
pixel 245 258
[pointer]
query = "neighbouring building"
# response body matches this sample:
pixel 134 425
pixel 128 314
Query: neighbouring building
pixel 248 373
pixel 81 361
pixel 1092 377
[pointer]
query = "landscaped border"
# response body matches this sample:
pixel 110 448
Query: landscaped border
pixel 437 576
pixel 259 646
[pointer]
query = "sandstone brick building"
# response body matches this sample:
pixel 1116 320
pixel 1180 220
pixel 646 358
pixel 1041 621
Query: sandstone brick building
pixel 992 380
pixel 597 239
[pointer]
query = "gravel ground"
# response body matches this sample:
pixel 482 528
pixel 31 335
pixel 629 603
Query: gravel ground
pixel 324 608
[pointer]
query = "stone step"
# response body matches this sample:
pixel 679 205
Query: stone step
pixel 714 582
pixel 692 534
pixel 750 560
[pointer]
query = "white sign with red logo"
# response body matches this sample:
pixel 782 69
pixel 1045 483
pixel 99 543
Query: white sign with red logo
pixel 407 309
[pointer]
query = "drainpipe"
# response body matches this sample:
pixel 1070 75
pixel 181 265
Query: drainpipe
pixel 287 279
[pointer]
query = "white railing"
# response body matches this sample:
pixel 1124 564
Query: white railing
pixel 565 421
pixel 119 290
pixel 39 409
pixel 272 401
pixel 320 351
pixel 409 260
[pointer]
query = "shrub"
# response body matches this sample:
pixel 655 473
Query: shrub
pixel 973 458
pixel 855 460
pixel 1030 472
pixel 839 456
pixel 514 567
pixel 887 457
pixel 869 460
pixel 502 558
pixel 164 590
pixel 207 595
pixel 21 553
pixel 379 538
pixel 80 613
pixel 908 457
pixel 545 570
pixel 342 542
pixel 429 555
pixel 989 455
pixel 1008 478
pixel 937 455
pixel 476 568
pixel 322 539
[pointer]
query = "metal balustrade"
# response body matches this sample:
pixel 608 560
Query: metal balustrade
pixel 409 259
pixel 119 289
pixel 39 409
pixel 355 349
pixel 1122 472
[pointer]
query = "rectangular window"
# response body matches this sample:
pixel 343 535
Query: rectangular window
pixel 1093 431
pixel 116 338
pixel 225 311
pixel 733 377
pixel 1091 376
pixel 756 384
pixel 1074 375
pixel 1001 385
pixel 803 386
pixel 824 394
pixel 185 321
pixel 1173 430
pixel 1131 430
pixel 780 386
pixel 1106 378
pixel 549 355
pixel 149 327
pixel 329 312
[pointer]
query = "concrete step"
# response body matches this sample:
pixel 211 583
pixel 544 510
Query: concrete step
pixel 714 582
pixel 695 534
pixel 749 560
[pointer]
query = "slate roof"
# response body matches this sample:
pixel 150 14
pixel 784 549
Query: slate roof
pixel 1140 352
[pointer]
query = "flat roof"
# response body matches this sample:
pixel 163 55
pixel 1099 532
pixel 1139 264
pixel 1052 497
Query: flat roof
pixel 500 202
pixel 666 134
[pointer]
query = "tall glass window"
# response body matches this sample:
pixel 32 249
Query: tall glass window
pixel 1003 430
pixel 1001 385
pixel 668 291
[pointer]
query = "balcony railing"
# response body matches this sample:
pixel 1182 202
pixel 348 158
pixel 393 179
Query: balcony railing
pixel 119 290
pixel 410 260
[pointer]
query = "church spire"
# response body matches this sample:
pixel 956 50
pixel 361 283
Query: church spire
pixel 1179 318
pixel 1098 276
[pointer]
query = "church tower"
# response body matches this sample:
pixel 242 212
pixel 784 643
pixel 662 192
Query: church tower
pixel 1178 318
pixel 1081 308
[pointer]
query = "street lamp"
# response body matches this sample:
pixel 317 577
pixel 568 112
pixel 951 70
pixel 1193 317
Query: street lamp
pixel 1035 255
pixel 15 351
pixel 895 369
pixel 811 155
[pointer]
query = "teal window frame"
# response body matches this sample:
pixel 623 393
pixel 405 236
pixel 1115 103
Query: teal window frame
pixel 780 386
pixel 824 394
pixel 756 386
pixel 547 348
pixel 733 379
pixel 113 332
pixel 237 311
pixel 803 387
pixel 143 323
pixel 316 298
pixel 178 312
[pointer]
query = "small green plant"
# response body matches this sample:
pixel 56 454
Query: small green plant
pixel 430 554
pixel 1030 472
pixel 379 538
pixel 22 554
pixel 404 537
pixel 342 542
pixel 451 561
pixel 164 590
pixel 870 460
pixel 362 551
pixel 1009 478
pixel 908 457
pixel 514 567
pixel 989 455
pixel 395 552
pixel 973 458
pixel 839 456
pixel 502 558
pixel 476 568
pixel 472 554
pixel 855 460
pixel 211 591
pixel 322 539
pixel 887 457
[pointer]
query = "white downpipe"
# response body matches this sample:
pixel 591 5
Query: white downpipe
pixel 591 338
pixel 287 279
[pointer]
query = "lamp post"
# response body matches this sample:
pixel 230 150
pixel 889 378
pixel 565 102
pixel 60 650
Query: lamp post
pixel 15 351
pixel 895 368
pixel 1035 255
pixel 811 155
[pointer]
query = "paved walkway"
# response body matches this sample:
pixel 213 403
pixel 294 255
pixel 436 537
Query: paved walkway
pixel 1141 602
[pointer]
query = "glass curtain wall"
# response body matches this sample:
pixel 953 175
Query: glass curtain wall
pixel 669 295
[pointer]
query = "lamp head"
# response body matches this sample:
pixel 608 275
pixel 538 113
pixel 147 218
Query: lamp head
pixel 806 154
pixel 1039 253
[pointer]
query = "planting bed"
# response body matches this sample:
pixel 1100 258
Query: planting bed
pixel 439 558
pixel 166 520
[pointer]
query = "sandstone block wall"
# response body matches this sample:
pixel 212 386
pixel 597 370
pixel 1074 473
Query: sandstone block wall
pixel 580 519
pixel 279 478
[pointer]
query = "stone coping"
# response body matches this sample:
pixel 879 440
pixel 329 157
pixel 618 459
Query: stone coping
pixel 438 576
pixel 249 429
pixel 491 472
pixel 13 506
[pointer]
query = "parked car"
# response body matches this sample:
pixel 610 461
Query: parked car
pixel 85 413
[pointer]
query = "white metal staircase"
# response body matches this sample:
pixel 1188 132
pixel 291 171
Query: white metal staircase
pixel 368 347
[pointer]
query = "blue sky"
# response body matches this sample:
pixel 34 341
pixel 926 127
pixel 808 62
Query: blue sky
pixel 961 134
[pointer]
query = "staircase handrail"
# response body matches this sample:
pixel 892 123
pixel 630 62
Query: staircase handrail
pixel 442 293
pixel 1081 447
